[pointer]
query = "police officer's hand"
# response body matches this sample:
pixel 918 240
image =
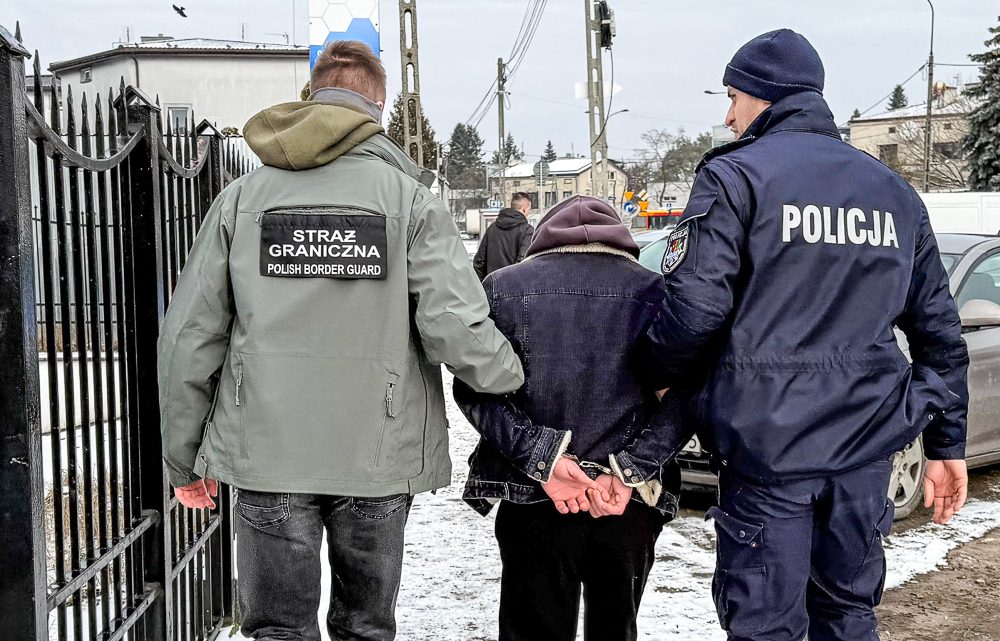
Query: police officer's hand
pixel 611 498
pixel 199 494
pixel 946 485
pixel 568 487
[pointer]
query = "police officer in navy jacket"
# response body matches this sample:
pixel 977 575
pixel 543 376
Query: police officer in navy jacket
pixel 795 259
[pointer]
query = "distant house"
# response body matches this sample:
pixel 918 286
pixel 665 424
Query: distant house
pixel 566 177
pixel 897 138
pixel 222 81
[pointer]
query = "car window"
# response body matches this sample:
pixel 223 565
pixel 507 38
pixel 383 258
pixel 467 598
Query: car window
pixel 949 261
pixel 651 256
pixel 983 283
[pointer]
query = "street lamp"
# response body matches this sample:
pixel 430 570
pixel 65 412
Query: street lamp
pixel 930 101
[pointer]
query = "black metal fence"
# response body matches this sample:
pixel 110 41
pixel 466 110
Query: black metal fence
pixel 98 210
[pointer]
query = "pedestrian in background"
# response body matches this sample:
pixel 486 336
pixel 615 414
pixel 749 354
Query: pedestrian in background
pixel 506 241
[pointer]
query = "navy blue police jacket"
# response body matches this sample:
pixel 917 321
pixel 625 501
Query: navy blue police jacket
pixel 795 259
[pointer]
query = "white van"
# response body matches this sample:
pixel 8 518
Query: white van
pixel 964 212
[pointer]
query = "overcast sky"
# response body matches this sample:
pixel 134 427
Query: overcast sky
pixel 666 54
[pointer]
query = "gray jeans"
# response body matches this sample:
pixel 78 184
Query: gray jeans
pixel 278 557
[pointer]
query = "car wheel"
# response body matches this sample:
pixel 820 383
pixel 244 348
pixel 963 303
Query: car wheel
pixel 906 485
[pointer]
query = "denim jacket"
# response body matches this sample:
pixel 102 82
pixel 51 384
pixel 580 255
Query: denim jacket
pixel 577 318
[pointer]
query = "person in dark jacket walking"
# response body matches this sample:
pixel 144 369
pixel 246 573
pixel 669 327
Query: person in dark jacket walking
pixel 506 241
pixel 795 258
pixel 588 394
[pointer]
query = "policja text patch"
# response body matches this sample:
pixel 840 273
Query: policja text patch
pixel 348 246
pixel 677 249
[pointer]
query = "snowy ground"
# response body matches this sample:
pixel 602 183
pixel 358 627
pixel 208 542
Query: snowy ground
pixel 451 574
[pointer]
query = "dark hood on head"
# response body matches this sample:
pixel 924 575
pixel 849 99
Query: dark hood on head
pixel 510 218
pixel 582 220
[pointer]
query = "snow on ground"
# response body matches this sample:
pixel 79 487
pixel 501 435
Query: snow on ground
pixel 451 574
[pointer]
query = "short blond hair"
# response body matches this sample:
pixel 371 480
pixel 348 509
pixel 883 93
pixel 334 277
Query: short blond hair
pixel 350 64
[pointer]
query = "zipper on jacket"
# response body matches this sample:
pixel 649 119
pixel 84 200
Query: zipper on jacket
pixel 389 389
pixel 319 209
pixel 239 383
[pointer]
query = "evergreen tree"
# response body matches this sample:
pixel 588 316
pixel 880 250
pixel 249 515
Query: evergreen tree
pixel 855 115
pixel 465 158
pixel 550 153
pixel 898 100
pixel 983 141
pixel 395 131
pixel 510 152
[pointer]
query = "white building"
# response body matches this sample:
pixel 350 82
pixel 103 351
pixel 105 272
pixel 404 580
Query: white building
pixel 566 177
pixel 222 81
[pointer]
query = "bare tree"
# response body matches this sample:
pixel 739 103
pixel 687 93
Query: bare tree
pixel 949 168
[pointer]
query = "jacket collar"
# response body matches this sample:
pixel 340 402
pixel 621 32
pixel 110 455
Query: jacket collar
pixel 807 112
pixel 589 248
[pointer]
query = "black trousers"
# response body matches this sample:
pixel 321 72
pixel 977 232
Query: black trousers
pixel 547 557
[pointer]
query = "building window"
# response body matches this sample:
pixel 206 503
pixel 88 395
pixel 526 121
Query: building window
pixel 567 181
pixel 534 199
pixel 85 75
pixel 892 130
pixel 889 154
pixel 550 199
pixel 178 118
pixel 947 126
pixel 517 183
pixel 949 150
pixel 611 175
pixel 567 194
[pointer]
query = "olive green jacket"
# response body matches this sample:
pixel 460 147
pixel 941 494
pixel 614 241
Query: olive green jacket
pixel 315 384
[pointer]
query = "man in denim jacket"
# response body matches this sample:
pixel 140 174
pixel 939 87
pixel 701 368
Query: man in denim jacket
pixel 577 312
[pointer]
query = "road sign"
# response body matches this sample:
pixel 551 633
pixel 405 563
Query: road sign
pixel 332 20
pixel 495 204
pixel 630 208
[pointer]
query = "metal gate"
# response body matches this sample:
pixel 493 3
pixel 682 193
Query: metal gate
pixel 98 210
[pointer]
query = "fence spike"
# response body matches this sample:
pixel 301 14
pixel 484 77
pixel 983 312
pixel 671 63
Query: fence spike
pixel 54 108
pixel 99 127
pixel 70 119
pixel 39 93
pixel 84 125
pixel 123 119
pixel 17 32
pixel 113 131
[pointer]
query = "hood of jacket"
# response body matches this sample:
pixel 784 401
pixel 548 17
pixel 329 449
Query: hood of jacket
pixel 805 111
pixel 304 135
pixel 510 218
pixel 582 220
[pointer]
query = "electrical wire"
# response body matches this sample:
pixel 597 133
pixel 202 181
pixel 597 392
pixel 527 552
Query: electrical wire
pixel 611 100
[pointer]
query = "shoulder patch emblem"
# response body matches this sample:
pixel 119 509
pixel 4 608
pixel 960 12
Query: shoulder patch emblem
pixel 677 248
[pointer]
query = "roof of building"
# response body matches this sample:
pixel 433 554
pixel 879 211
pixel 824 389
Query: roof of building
pixel 187 47
pixel 957 107
pixel 560 167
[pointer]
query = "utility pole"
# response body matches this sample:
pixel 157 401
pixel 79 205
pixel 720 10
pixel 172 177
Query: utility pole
pixel 930 103
pixel 595 96
pixel 413 121
pixel 501 103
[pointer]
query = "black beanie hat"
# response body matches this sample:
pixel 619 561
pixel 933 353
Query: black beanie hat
pixel 776 65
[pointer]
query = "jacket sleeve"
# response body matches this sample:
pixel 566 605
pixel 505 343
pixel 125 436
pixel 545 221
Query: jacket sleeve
pixel 934 332
pixel 526 237
pixel 479 262
pixel 531 448
pixel 193 341
pixel 700 284
pixel 451 313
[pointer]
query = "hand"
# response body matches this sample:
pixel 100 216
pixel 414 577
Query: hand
pixel 946 485
pixel 199 494
pixel 568 487
pixel 612 497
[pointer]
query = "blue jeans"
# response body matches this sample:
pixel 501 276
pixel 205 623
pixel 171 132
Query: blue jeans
pixel 278 557
pixel 802 557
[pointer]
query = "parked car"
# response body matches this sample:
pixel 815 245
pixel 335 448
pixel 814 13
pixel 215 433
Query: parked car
pixel 973 264
pixel 649 237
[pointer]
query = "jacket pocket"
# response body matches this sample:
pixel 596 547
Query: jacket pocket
pixel 389 418
pixel 739 586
